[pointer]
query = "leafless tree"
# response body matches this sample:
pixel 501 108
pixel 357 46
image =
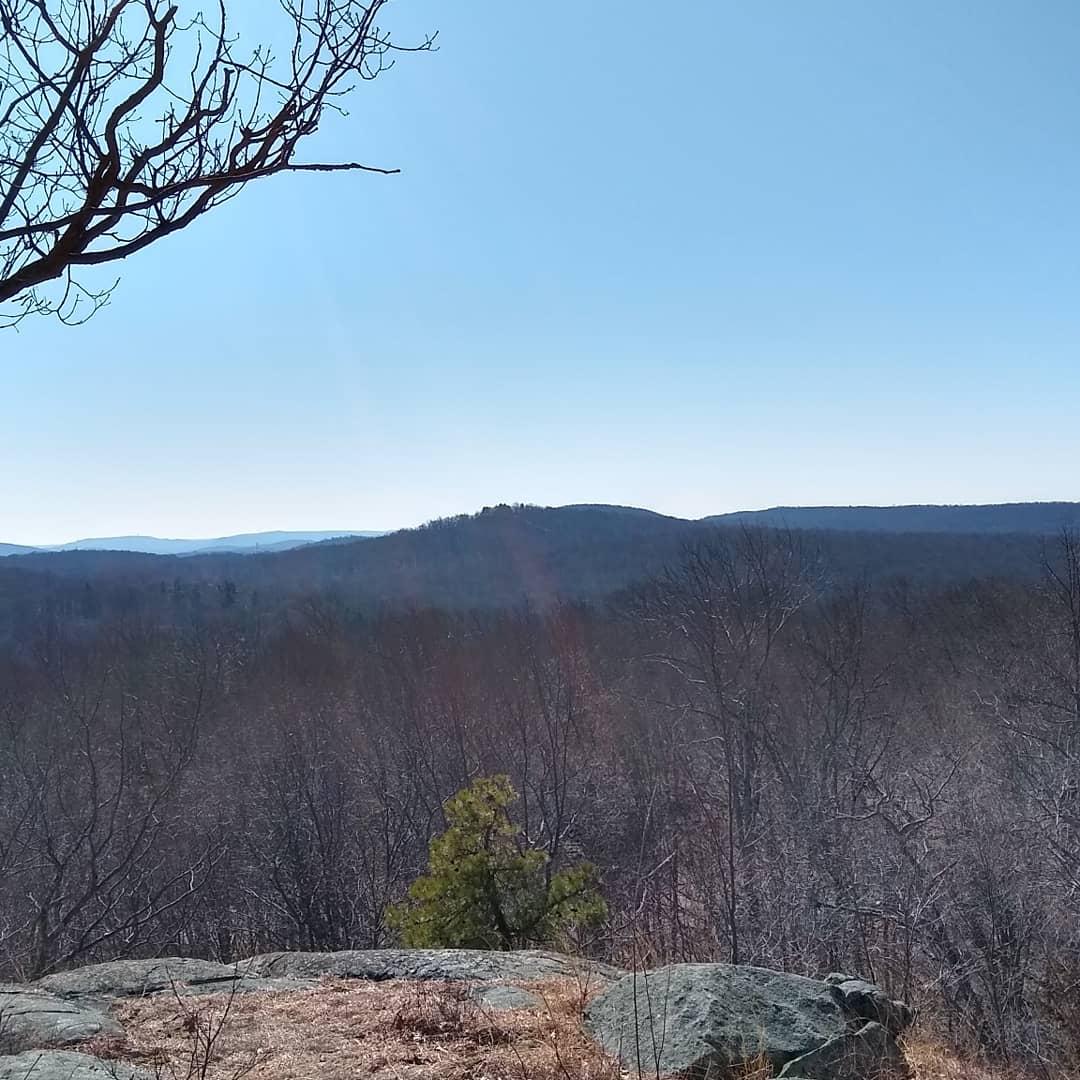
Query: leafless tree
pixel 122 121
pixel 94 779
pixel 722 612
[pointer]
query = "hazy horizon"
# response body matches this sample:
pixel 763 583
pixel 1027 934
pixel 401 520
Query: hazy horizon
pixel 208 538
pixel 369 532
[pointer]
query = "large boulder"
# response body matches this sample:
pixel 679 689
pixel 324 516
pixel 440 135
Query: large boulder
pixel 870 1053
pixel 32 1019
pixel 453 965
pixel 711 1019
pixel 65 1065
pixel 698 1018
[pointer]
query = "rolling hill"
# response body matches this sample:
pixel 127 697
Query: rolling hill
pixel 1036 518
pixel 243 543
pixel 14 549
pixel 507 556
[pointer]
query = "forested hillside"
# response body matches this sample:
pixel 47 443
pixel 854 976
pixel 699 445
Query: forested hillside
pixel 768 760
pixel 1039 518
pixel 504 556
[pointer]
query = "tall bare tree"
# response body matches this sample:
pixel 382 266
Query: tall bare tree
pixel 722 613
pixel 122 121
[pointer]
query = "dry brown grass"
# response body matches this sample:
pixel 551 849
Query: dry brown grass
pixel 343 1029
pixel 932 1061
pixel 346 1029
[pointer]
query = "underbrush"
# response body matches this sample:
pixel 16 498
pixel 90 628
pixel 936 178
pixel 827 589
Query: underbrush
pixel 344 1029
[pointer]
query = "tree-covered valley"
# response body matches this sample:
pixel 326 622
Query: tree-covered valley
pixel 808 750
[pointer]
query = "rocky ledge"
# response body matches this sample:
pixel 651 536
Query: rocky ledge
pixel 689 1020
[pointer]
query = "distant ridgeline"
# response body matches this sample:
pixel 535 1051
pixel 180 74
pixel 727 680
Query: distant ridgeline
pixel 509 556
pixel 243 544
pixel 1040 518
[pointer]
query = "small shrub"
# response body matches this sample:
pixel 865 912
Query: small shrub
pixel 486 888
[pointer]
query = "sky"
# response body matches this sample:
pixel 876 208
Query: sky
pixel 698 257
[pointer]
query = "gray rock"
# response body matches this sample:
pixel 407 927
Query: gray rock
pixel 133 978
pixel 31 1019
pixel 65 1065
pixel 472 965
pixel 869 1002
pixel 136 978
pixel 870 1053
pixel 835 978
pixel 499 998
pixel 698 1019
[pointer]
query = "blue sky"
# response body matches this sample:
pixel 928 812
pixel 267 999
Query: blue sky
pixel 695 257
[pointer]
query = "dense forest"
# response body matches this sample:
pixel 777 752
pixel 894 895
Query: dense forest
pixel 816 751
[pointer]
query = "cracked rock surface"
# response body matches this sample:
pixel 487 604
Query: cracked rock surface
pixel 65 1065
pixel 526 965
pixel 31 1018
pixel 135 978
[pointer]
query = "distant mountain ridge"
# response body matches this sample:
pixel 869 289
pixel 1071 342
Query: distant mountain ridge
pixel 506 556
pixel 1021 519
pixel 1036 518
pixel 1041 518
pixel 240 544
pixel 15 549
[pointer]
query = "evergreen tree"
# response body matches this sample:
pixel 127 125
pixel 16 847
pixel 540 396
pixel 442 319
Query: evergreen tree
pixel 486 888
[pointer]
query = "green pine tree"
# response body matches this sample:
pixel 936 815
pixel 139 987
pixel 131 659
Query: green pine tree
pixel 486 889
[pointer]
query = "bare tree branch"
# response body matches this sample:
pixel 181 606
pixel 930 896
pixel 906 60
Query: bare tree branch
pixel 121 124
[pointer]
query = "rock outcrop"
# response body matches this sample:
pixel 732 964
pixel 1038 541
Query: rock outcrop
pixel 31 1019
pixel 69 1007
pixel 136 978
pixel 689 1020
pixel 65 1065
pixel 452 965
pixel 699 1020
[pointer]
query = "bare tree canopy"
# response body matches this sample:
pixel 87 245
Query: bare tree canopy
pixel 122 121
